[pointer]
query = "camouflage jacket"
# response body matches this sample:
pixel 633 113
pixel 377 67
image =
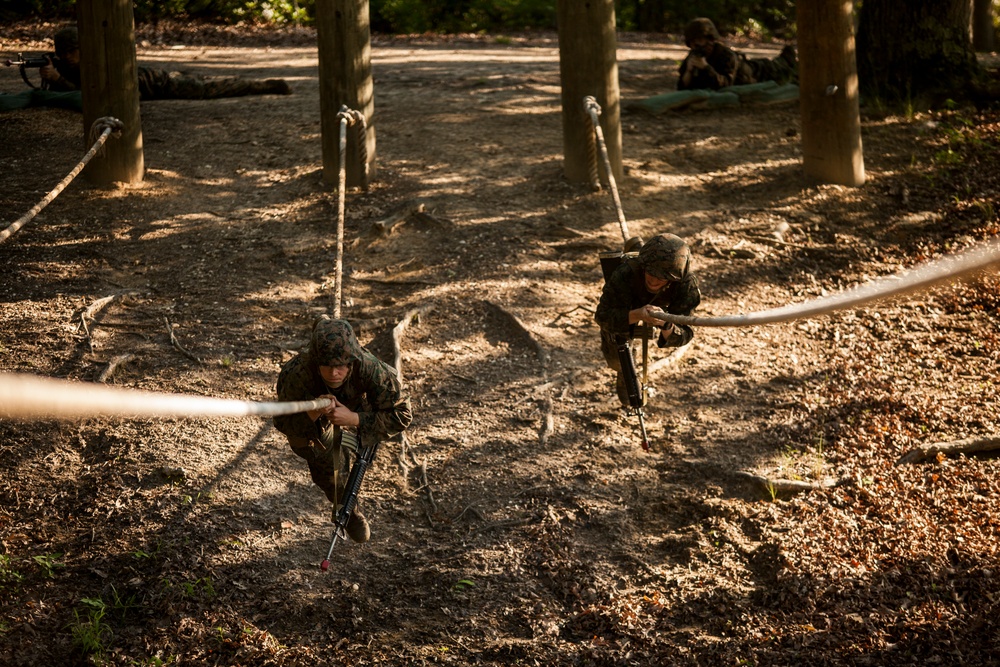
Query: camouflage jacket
pixel 371 389
pixel 725 68
pixel 626 290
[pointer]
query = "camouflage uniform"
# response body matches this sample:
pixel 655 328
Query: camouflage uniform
pixel 727 67
pixel 625 290
pixel 158 84
pixel 371 389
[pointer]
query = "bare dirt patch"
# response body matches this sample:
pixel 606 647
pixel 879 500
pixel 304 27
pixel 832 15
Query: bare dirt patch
pixel 581 549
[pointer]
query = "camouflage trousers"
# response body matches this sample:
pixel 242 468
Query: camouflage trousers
pixel 609 346
pixel 158 84
pixel 328 458
pixel 783 69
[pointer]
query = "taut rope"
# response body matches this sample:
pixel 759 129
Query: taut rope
pixel 106 126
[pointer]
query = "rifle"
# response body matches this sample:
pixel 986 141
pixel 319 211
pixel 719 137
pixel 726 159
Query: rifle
pixel 363 460
pixel 38 62
pixel 632 386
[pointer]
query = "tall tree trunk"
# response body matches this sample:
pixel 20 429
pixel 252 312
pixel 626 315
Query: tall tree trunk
pixel 828 98
pixel 110 87
pixel 588 65
pixel 983 32
pixel 345 78
pixel 650 16
pixel 913 50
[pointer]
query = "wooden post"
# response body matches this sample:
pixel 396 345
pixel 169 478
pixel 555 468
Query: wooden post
pixel 588 65
pixel 110 87
pixel 828 93
pixel 345 78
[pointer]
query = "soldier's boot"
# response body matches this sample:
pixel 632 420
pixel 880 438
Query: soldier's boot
pixel 357 526
pixel 269 87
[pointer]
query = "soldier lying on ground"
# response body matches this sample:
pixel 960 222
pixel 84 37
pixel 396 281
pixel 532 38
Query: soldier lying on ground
pixel 154 84
pixel 368 399
pixel 660 278
pixel 711 64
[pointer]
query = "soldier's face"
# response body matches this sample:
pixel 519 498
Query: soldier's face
pixel 334 376
pixel 654 284
pixel 702 46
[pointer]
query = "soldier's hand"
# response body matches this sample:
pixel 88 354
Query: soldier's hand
pixel 648 317
pixel 341 415
pixel 48 72
pixel 699 62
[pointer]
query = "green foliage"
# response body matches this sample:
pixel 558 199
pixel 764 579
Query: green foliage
pixel 90 633
pixel 48 564
pixel 8 575
pixel 755 18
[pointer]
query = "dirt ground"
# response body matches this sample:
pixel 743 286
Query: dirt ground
pixel 523 524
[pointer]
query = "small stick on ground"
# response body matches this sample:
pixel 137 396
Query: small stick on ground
pixel 113 365
pixel 932 450
pixel 570 312
pixel 176 343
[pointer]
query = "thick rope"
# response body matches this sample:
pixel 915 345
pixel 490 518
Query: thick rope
pixel 942 270
pixel 30 397
pixel 360 126
pixel 338 280
pixel 106 126
pixel 593 109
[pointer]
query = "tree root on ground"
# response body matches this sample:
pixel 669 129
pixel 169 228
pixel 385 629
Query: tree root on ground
pixel 937 450
pixel 548 420
pixel 783 487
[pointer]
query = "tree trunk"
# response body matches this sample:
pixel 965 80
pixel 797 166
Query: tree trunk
pixel 828 93
pixel 345 78
pixel 588 65
pixel 651 16
pixel 109 85
pixel 983 32
pixel 910 51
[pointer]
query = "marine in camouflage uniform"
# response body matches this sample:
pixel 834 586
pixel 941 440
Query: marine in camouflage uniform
pixel 659 278
pixel 368 394
pixel 724 67
pixel 158 84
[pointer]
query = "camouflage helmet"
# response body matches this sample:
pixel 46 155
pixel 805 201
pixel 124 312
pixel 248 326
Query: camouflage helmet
pixel 334 343
pixel 66 41
pixel 666 257
pixel 698 29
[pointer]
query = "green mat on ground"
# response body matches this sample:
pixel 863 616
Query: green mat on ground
pixel 766 92
pixel 41 98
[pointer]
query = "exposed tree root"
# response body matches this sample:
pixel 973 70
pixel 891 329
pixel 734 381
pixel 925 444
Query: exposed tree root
pixel 548 420
pixel 670 359
pixel 113 365
pixel 783 487
pixel 935 450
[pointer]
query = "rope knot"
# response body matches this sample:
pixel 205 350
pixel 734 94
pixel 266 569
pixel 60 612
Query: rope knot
pixel 107 123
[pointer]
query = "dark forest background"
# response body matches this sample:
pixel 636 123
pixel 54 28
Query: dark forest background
pixel 759 19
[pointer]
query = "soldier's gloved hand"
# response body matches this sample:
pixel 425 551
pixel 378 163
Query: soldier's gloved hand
pixel 49 72
pixel 676 336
